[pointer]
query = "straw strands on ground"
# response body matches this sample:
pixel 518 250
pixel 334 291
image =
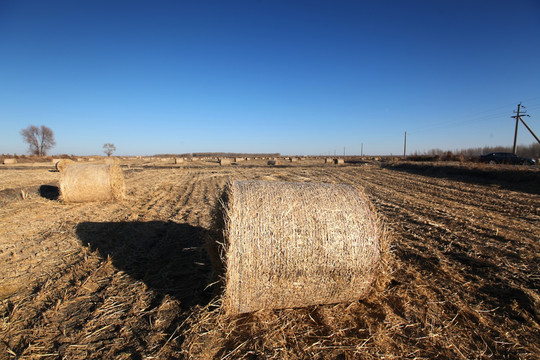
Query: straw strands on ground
pixel 289 245
pixel 92 182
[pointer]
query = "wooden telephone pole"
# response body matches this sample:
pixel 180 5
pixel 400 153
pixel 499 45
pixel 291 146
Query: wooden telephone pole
pixel 405 146
pixel 519 118
pixel 517 124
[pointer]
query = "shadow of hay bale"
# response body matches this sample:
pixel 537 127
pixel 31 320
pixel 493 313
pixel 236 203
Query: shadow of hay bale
pixel 50 192
pixel 168 257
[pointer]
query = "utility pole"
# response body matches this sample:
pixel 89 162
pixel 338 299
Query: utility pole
pixel 405 146
pixel 344 151
pixel 516 131
pixel 362 150
pixel 519 118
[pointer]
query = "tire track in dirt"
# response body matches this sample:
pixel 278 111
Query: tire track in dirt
pixel 448 242
pixel 451 213
pixel 494 200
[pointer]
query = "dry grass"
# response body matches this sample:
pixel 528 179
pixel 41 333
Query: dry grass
pixel 123 280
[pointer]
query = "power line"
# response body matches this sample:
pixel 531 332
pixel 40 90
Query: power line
pixel 459 122
pixel 474 118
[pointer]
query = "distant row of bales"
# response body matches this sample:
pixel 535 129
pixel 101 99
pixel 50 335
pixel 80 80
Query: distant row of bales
pixel 180 160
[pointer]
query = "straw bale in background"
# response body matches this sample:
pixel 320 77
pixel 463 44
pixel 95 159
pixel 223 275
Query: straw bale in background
pixel 62 164
pixel 10 161
pixel 339 161
pixel 178 160
pixel 92 182
pixel 111 160
pixel 291 245
pixel 224 161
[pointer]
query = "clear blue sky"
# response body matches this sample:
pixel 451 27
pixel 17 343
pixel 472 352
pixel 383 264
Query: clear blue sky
pixel 295 77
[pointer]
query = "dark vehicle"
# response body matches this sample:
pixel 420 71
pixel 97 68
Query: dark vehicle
pixel 505 158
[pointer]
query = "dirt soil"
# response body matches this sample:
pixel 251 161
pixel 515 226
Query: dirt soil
pixel 132 279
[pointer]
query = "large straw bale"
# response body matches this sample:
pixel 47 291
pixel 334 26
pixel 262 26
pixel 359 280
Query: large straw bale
pixel 272 162
pixel 339 161
pixel 10 161
pixel 289 245
pixel 328 161
pixel 92 182
pixel 178 160
pixel 62 164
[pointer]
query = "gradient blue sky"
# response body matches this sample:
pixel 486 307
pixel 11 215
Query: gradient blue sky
pixel 295 77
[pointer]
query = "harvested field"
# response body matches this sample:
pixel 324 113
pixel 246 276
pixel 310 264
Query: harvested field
pixel 132 280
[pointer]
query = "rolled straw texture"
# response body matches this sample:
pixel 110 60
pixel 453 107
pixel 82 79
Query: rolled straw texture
pixel 289 245
pixel 92 182
pixel 62 164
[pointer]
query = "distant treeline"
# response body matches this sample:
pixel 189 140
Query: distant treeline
pixel 219 154
pixel 532 151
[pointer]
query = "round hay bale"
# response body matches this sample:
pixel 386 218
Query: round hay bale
pixel 224 161
pixel 10 161
pixel 178 160
pixel 272 162
pixel 61 165
pixel 289 245
pixel 92 182
pixel 339 161
pixel 111 160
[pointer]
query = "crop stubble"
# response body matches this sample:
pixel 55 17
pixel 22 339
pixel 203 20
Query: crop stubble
pixel 129 279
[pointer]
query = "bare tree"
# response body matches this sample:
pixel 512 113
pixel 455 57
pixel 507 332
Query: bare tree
pixel 39 139
pixel 109 149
